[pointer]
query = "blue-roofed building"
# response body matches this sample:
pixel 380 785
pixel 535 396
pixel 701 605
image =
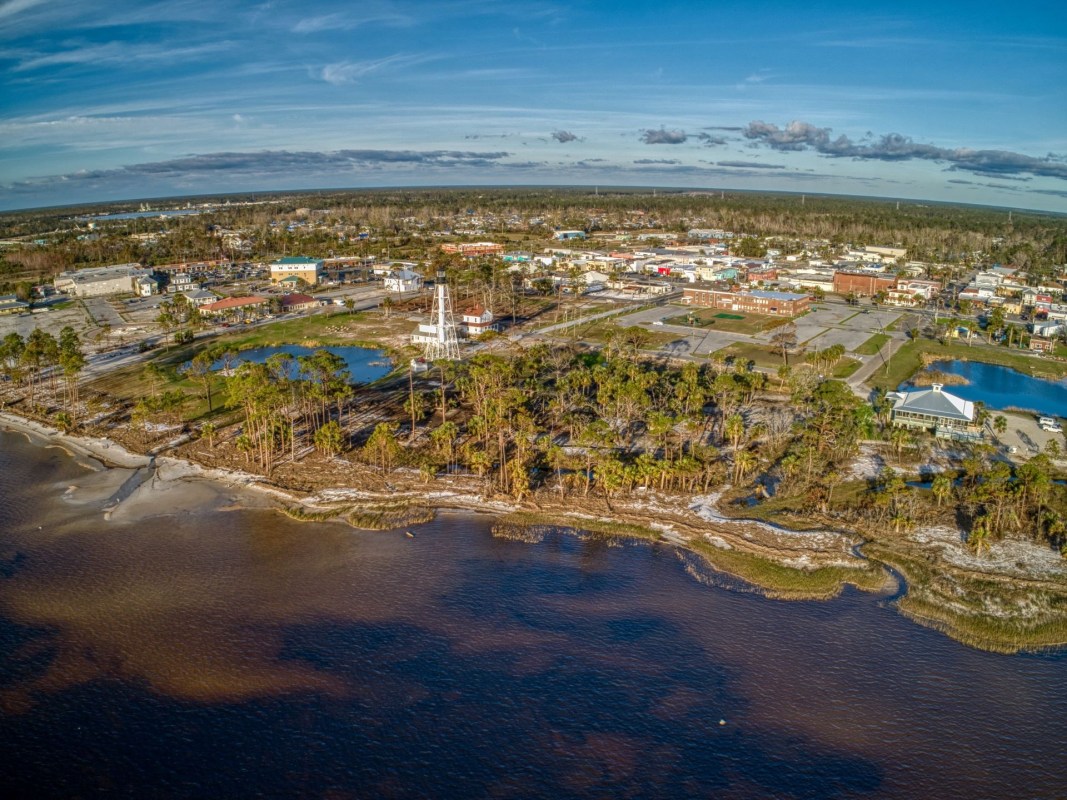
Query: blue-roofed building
pixel 10 304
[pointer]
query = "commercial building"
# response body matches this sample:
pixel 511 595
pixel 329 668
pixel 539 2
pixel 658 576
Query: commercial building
pixel 471 249
pixel 236 307
pixel 308 270
pixel 298 302
pixel 866 284
pixel 10 304
pixel 779 304
pixel 102 281
pixel 403 280
pixel 945 415
pixel 199 297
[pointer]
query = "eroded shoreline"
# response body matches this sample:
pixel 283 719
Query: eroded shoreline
pixel 778 562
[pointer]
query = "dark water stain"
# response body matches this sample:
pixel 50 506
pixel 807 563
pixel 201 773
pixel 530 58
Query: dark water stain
pixel 243 654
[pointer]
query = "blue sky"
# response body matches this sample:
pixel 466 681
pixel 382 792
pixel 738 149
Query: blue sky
pixel 109 99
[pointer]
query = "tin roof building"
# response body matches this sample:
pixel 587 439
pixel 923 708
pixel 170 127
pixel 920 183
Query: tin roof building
pixel 935 410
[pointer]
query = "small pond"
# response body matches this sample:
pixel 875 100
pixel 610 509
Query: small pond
pixel 1002 387
pixel 364 364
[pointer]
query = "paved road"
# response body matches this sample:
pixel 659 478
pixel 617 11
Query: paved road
pixel 579 321
pixel 872 364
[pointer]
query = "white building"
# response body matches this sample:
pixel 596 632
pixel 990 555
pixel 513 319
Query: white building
pixel 181 282
pixel 403 280
pixel 476 320
pixel 945 415
pixel 199 297
pixel 145 286
pixel 101 281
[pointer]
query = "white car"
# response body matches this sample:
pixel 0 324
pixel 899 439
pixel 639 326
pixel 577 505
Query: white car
pixel 658 322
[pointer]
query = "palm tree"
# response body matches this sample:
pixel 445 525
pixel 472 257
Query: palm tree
pixel 941 486
pixel 981 532
pixel 898 437
pixel 1000 424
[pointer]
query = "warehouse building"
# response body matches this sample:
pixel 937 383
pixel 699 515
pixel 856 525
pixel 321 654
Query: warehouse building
pixel 102 281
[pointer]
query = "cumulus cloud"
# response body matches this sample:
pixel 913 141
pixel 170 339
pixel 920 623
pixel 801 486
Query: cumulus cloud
pixel 564 136
pixel 797 136
pixel 657 161
pixel 663 136
pixel 746 164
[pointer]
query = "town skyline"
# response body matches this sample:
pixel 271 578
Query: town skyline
pixel 119 101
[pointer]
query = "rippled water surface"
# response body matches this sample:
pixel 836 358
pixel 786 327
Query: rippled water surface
pixel 1002 387
pixel 221 652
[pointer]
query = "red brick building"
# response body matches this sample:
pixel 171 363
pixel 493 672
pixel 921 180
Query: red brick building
pixel 778 304
pixel 298 302
pixel 470 249
pixel 866 284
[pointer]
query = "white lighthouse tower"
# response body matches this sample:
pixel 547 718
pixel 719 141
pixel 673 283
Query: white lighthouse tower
pixel 439 338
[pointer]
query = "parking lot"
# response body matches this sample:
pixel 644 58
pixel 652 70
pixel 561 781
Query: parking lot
pixel 849 326
pixel 52 320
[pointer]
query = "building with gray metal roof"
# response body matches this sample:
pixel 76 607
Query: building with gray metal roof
pixel 937 411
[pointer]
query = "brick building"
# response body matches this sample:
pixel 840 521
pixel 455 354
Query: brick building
pixel 779 304
pixel 471 249
pixel 866 284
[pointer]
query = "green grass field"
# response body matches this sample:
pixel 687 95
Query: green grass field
pixel 763 355
pixel 845 367
pixel 909 359
pixel 718 320
pixel 872 345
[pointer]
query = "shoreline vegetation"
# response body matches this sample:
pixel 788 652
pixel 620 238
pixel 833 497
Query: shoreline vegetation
pixel 769 459
pixel 805 563
pixel 928 377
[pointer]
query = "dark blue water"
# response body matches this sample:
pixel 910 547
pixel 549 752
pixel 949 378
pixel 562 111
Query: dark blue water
pixel 1001 387
pixel 357 359
pixel 226 653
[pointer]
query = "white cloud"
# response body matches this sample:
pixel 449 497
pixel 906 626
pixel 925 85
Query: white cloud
pixel 343 72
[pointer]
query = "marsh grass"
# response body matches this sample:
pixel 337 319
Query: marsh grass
pixel 766 576
pixel 989 614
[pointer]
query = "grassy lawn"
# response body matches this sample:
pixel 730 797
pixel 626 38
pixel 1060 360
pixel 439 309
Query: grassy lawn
pixel 771 357
pixel 339 328
pixel 763 355
pixel 845 367
pixel 130 383
pixel 719 320
pixel 872 345
pixel 909 359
